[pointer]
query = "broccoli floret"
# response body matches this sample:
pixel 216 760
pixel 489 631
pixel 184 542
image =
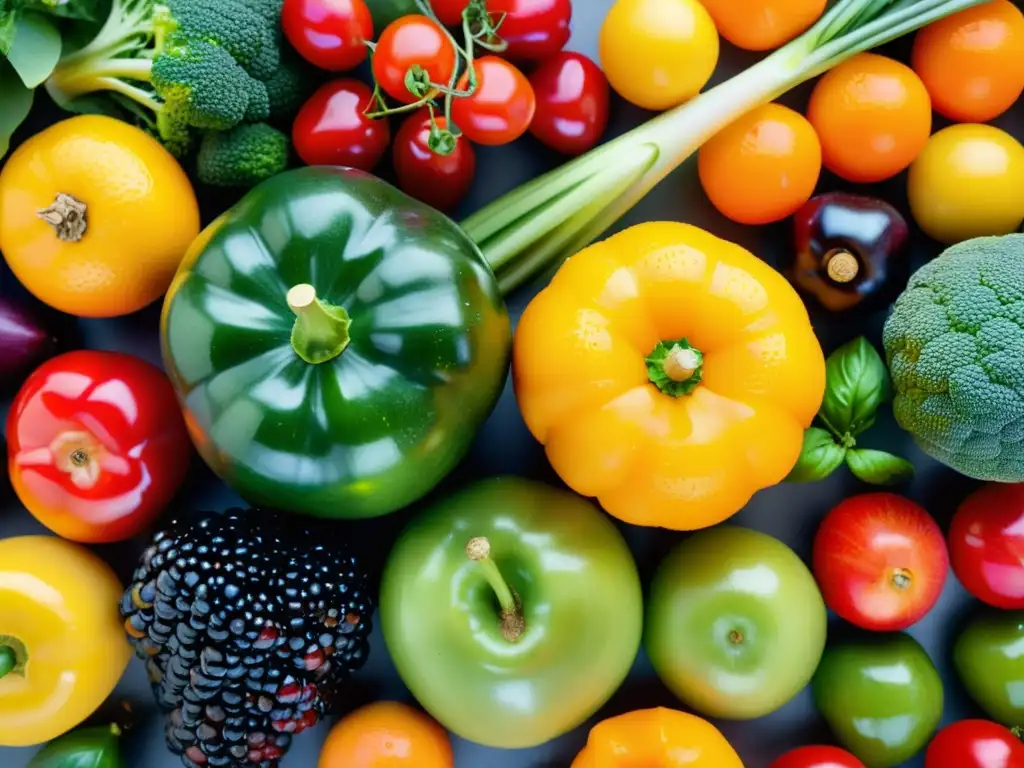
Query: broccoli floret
pixel 202 84
pixel 243 156
pixel 955 346
pixel 244 32
pixel 292 83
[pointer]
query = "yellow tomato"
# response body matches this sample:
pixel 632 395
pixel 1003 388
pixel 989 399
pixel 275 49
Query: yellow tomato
pixel 658 53
pixel 60 626
pixel 968 182
pixel 95 216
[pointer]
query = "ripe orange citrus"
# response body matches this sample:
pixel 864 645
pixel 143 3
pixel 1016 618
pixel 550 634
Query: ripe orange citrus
pixel 760 25
pixel 387 734
pixel 94 216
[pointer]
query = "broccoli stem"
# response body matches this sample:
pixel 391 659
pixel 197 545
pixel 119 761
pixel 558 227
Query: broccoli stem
pixel 104 74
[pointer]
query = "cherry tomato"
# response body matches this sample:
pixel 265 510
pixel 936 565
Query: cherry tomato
pixel 408 42
pixel 974 744
pixel 572 103
pixel 986 545
pixel 658 53
pixel 972 62
pixel 762 167
pixel 760 25
pixel 817 757
pixel 533 29
pixel 97 446
pixel 332 127
pixel 329 34
pixel 439 180
pixel 501 107
pixel 873 115
pixel 449 12
pixel 880 561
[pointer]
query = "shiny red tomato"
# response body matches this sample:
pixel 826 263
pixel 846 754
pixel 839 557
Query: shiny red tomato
pixel 880 560
pixel 572 103
pixel 974 744
pixel 817 757
pixel 533 29
pixel 330 34
pixel 501 107
pixel 986 544
pixel 438 180
pixel 449 12
pixel 410 42
pixel 332 127
pixel 96 445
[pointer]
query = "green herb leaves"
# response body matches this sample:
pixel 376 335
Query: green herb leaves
pixel 856 384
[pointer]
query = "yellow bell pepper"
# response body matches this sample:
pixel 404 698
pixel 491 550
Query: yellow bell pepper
pixel 62 643
pixel 656 738
pixel 670 374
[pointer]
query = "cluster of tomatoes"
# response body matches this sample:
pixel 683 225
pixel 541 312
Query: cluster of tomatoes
pixel 563 102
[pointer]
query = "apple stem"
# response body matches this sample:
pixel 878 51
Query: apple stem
pixel 512 623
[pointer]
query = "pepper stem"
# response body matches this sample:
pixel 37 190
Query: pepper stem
pixel 675 367
pixel 512 623
pixel 320 332
pixel 841 266
pixel 8 660
pixel 67 217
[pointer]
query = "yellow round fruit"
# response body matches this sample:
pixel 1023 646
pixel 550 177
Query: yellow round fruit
pixel 968 182
pixel 95 216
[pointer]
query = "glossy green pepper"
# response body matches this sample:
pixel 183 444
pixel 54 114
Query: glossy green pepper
pixel 881 696
pixel 512 611
pixel 96 747
pixel 335 344
pixel 987 656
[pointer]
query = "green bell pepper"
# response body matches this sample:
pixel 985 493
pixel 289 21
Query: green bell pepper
pixel 335 344
pixel 987 658
pixel 96 747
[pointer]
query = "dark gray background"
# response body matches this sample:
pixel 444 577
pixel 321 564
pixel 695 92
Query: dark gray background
pixel 788 512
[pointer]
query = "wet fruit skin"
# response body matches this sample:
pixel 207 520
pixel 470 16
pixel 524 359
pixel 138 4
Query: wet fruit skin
pixel 729 645
pixel 881 561
pixel 975 744
pixel 986 542
pixel 988 661
pixel 880 695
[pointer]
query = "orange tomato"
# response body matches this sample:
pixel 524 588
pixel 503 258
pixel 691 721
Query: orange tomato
pixel 656 738
pixel 94 216
pixel 762 167
pixel 760 25
pixel 669 373
pixel 873 116
pixel 973 61
pixel 387 734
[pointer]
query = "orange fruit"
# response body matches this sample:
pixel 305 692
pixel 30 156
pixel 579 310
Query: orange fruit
pixel 94 216
pixel 873 116
pixel 973 61
pixel 760 25
pixel 387 734
pixel 762 167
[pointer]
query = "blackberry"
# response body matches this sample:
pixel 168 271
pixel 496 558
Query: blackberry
pixel 249 623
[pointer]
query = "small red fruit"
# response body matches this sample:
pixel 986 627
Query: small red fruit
pixel 975 744
pixel 986 542
pixel 501 107
pixel 817 757
pixel 572 103
pixel 332 127
pixel 330 34
pixel 438 180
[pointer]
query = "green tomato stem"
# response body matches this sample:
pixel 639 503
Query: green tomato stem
pixel 320 332
pixel 512 624
pixel 7 660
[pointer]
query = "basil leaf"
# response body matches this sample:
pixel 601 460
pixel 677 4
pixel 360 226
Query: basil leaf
pixel 8 15
pixel 35 50
pixel 16 100
pixel 819 457
pixel 856 383
pixel 879 467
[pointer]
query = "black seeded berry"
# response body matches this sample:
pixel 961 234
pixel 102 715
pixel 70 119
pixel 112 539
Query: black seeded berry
pixel 248 631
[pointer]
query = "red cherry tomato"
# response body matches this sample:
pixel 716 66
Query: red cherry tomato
pixel 974 744
pixel 533 29
pixel 329 34
pixel 572 103
pixel 405 43
pixel 449 12
pixel 332 127
pixel 817 757
pixel 880 561
pixel 986 543
pixel 501 107
pixel 96 445
pixel 438 180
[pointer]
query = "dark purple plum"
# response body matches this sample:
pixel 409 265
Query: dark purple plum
pixel 26 340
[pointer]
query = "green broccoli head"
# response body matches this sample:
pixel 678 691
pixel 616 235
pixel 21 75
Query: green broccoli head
pixel 243 156
pixel 955 346
pixel 202 85
pixel 245 32
pixel 292 83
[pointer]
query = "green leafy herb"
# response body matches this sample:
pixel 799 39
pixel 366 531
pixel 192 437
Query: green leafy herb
pixel 856 385
pixel 35 49
pixel 16 100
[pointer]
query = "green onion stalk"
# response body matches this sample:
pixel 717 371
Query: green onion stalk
pixel 540 224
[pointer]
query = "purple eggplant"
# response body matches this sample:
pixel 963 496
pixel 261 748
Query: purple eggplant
pixel 27 339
